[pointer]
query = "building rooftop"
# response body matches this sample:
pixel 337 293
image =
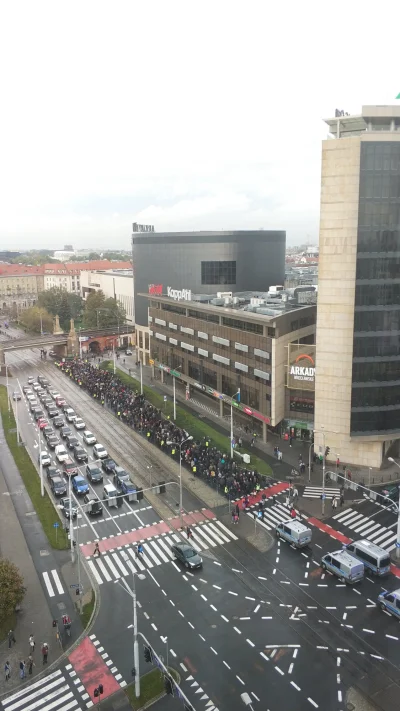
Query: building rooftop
pixel 78 267
pixel 372 118
pixel 20 270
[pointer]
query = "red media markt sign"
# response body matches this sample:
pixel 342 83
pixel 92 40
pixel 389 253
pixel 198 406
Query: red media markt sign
pixel 156 289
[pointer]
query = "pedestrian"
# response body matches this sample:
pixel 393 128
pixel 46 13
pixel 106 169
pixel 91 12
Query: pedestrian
pixel 31 644
pixel 341 499
pixel 295 494
pixel 96 549
pixel 7 670
pixel 293 512
pixel 22 669
pixel 233 514
pixel 45 652
pixel 189 532
pixel 11 638
pixel 334 502
pixel 31 664
pixel 235 518
pixel 237 510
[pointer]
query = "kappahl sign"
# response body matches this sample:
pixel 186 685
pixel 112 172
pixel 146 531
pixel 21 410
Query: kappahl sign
pixel 302 372
pixel 179 294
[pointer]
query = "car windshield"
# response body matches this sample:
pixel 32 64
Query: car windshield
pixel 95 470
pixel 189 553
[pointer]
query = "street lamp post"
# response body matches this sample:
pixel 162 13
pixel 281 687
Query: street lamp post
pixel 188 439
pixel 233 397
pixel 174 390
pixel 141 377
pixel 135 621
pixel 7 388
pixel 398 513
pixel 71 526
pixel 40 465
pixel 309 460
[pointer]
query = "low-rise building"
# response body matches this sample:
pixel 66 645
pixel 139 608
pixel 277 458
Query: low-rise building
pixel 68 275
pixel 260 344
pixel 116 283
pixel 20 285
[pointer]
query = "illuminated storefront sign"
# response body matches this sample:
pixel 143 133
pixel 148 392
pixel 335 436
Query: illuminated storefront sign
pixel 301 367
pixel 156 289
pixel 179 294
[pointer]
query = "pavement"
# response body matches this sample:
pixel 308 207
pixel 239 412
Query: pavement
pixel 258 617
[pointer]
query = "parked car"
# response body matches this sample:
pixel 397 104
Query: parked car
pixel 80 454
pixel 108 465
pixel 94 473
pixel 44 459
pixel 80 485
pixel 57 485
pixel 99 452
pixel 65 431
pixel 61 453
pixel 69 467
pixel 71 441
pixel 187 555
pixel 89 438
pixel 68 507
pixel 79 423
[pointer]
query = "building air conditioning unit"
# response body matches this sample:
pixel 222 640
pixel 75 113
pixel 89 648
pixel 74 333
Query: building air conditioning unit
pixel 224 294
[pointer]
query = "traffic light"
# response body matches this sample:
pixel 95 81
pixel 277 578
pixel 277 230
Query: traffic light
pixel 168 685
pixel 148 657
pixel 327 450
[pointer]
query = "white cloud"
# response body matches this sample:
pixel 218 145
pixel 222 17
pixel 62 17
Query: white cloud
pixel 189 115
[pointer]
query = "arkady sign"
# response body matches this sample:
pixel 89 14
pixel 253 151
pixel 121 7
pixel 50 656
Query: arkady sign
pixel 301 367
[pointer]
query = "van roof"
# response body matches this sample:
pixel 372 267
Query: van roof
pixel 295 525
pixel 345 557
pixel 110 488
pixel 371 548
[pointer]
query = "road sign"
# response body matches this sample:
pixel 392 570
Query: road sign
pixel 56 525
pixel 74 585
pixel 165 398
pixel 323 497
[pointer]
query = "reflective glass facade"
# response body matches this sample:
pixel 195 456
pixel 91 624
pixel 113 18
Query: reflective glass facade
pixel 376 348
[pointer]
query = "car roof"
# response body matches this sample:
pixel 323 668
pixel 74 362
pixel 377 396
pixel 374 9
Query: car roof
pixel 184 546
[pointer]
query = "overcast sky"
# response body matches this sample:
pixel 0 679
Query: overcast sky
pixel 185 115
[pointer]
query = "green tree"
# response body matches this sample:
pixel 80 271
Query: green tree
pixel 93 256
pixel 58 301
pixel 101 312
pixel 36 318
pixel 12 589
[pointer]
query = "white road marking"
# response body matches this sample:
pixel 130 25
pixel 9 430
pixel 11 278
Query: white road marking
pixel 48 584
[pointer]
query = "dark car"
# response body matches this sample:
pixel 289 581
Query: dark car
pixel 80 454
pixel 49 405
pixel 43 381
pixel 52 412
pixel 94 473
pixel 52 472
pixel 53 441
pixel 27 389
pixel 65 431
pixel 47 431
pixel 58 486
pixel 58 421
pixel 38 413
pixel 187 555
pixel 67 508
pixel 108 465
pixel 391 492
pixel 127 487
pixel 92 505
pixel 72 441
pixel 69 467
pixel 120 475
pixel 52 354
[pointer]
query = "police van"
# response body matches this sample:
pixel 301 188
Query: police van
pixel 390 602
pixel 347 568
pixel 294 532
pixel 374 558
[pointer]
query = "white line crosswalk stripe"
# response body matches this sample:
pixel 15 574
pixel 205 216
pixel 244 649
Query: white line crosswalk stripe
pixel 112 565
pixel 315 492
pixel 367 528
pixel 272 516
pixel 53 583
pixel 54 691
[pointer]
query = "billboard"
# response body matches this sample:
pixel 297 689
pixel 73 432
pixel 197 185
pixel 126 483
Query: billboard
pixel 301 366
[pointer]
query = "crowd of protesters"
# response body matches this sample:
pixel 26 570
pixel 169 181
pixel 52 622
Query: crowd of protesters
pixel 201 458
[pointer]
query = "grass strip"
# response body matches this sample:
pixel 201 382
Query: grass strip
pixel 87 610
pixel 186 421
pixel 151 686
pixel 43 505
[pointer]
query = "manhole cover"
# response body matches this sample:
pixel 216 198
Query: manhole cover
pixel 214 626
pixel 61 606
pixel 43 553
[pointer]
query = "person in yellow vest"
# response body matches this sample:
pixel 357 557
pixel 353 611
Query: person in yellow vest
pixel 194 469
pixel 148 434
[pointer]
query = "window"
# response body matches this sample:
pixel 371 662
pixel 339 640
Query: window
pixel 241 347
pixel 243 325
pixel 203 316
pixel 202 352
pixel 261 354
pixel 221 359
pixel 173 326
pixel 160 322
pixel 189 331
pixel 201 334
pixel 174 309
pixel 221 341
pixel 241 366
pixel 187 346
pixel 161 336
pixel 218 272
pixel 261 374
pixel 173 341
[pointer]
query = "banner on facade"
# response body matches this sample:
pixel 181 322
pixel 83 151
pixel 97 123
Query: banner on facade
pixel 301 366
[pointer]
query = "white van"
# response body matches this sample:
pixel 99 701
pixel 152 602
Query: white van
pixel 110 494
pixel 376 559
pixel 390 602
pixel 61 453
pixel 294 532
pixel 344 565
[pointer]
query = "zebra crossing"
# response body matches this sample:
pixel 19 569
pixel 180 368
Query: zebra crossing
pixel 315 492
pixel 367 527
pixel 273 515
pixel 53 692
pixel 112 565
pixel 53 583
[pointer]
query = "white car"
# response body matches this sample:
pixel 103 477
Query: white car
pixel 128 352
pixel 89 438
pixel 61 453
pixel 37 386
pixel 99 452
pixel 30 397
pixel 44 459
pixel 70 414
pixel 54 394
pixel 31 379
pixel 79 423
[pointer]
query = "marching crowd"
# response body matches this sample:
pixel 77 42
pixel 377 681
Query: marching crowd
pixel 200 457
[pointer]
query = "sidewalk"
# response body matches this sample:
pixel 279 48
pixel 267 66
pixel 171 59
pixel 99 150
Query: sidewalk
pixel 35 617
